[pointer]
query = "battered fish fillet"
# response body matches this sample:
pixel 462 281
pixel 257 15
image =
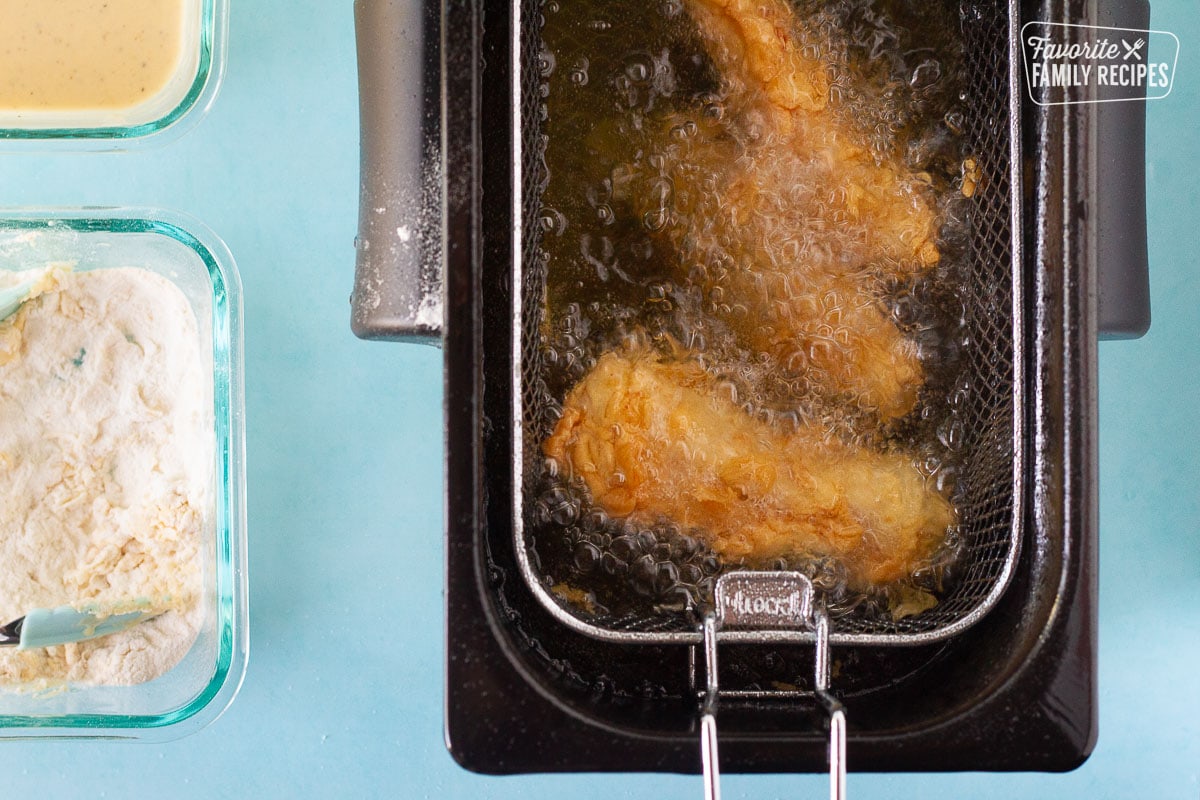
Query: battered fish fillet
pixel 777 209
pixel 792 284
pixel 771 83
pixel 655 440
pixel 838 336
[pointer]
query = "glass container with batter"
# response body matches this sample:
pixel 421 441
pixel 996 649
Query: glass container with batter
pixel 108 72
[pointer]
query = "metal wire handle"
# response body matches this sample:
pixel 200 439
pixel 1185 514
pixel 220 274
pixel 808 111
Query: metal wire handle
pixel 833 707
pixel 708 713
pixel 732 604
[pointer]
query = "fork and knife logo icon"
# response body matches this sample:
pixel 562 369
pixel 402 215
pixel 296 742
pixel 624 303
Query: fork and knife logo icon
pixel 1134 50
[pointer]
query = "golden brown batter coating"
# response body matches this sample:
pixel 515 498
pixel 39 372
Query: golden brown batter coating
pixel 791 283
pixel 655 439
pixel 752 43
pixel 833 332
pixel 788 222
pixel 776 88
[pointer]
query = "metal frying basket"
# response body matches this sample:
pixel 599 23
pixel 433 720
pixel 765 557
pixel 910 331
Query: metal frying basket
pixel 989 485
pixel 988 493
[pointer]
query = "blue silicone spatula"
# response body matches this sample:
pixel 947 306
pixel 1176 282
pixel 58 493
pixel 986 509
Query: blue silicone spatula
pixel 45 627
pixel 11 297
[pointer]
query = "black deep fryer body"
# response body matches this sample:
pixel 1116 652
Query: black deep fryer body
pixel 1015 692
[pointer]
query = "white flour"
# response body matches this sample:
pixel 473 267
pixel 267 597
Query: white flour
pixel 105 467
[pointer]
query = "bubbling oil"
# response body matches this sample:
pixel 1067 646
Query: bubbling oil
pixel 640 129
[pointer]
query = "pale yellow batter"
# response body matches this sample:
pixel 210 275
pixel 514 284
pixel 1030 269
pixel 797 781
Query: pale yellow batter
pixel 66 55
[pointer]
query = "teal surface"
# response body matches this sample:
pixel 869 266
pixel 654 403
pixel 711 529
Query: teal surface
pixel 343 694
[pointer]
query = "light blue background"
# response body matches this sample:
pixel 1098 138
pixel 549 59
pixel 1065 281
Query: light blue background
pixel 345 450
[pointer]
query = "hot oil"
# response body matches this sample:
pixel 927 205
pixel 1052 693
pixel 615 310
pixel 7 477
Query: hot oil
pixel 640 132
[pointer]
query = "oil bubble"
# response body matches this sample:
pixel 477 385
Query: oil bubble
pixel 587 557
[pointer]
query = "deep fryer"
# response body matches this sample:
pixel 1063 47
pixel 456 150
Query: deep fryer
pixel 563 683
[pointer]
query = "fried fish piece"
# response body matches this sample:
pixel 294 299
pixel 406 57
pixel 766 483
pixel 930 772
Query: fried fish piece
pixel 753 44
pixel 776 208
pixel 775 86
pixel 838 335
pixel 654 439
pixel 773 275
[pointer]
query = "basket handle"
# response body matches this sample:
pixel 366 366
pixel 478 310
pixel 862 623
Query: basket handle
pixel 768 600
pixel 1123 278
pixel 398 272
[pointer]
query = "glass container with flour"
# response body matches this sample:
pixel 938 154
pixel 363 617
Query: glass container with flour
pixel 120 389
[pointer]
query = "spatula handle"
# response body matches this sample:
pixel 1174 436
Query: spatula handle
pixel 46 627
